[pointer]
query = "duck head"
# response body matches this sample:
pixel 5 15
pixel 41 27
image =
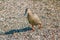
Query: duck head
pixel 27 11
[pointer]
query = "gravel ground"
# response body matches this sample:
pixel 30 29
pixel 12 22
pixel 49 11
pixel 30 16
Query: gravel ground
pixel 12 19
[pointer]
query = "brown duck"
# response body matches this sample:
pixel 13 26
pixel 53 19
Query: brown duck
pixel 32 18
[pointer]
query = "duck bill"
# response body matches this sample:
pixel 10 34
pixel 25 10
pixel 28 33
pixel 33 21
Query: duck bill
pixel 25 14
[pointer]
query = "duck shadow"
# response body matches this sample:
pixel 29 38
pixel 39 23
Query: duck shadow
pixel 18 30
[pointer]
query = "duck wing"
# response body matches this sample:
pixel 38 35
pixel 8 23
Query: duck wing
pixel 36 18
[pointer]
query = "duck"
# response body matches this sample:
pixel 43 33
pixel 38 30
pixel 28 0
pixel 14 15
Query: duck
pixel 32 18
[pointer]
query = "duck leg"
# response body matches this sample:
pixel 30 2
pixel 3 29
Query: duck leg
pixel 40 26
pixel 32 28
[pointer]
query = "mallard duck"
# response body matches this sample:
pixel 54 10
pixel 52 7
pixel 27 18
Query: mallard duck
pixel 33 19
